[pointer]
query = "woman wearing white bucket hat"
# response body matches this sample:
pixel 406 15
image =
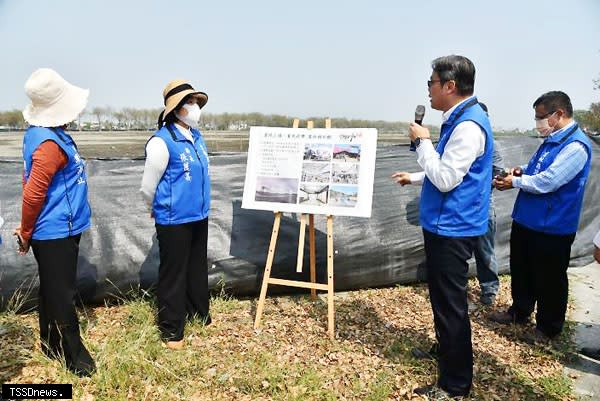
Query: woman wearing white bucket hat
pixel 176 187
pixel 55 211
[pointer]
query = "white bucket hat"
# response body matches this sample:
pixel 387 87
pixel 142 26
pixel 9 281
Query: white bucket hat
pixel 54 101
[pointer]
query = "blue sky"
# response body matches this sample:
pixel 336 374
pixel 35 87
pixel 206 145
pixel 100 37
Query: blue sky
pixel 353 59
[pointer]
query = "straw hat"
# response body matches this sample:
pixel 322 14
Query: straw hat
pixel 176 91
pixel 54 101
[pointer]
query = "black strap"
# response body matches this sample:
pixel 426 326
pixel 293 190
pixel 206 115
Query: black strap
pixel 568 134
pixel 471 103
pixel 60 136
pixel 173 135
pixel 177 89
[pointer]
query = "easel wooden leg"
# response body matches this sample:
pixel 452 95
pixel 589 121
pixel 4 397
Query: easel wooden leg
pixel 301 241
pixel 267 275
pixel 313 285
pixel 330 310
pixel 313 255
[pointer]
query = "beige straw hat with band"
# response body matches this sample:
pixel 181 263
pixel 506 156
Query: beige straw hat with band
pixel 176 91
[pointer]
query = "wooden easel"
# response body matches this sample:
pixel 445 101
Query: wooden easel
pixel 313 285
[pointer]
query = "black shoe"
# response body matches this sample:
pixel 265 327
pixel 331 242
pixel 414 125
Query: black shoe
pixel 84 365
pixel 83 369
pixel 538 337
pixel 434 393
pixel 590 352
pixel 507 318
pixel 420 354
pixel 203 320
pixel 487 299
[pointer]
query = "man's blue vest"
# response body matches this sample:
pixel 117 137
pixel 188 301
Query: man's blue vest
pixel 66 211
pixel 555 212
pixel 463 211
pixel 183 192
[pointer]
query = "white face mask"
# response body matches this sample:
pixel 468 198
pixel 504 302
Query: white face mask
pixel 193 114
pixel 543 127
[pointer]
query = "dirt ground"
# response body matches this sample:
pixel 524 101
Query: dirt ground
pixel 127 144
pixel 130 144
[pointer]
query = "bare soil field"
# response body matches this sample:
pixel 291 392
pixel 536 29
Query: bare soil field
pixel 124 144
pixel 130 144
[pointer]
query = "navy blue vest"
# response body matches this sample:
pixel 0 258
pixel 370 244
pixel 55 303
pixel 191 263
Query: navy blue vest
pixel 463 211
pixel 555 212
pixel 66 211
pixel 183 192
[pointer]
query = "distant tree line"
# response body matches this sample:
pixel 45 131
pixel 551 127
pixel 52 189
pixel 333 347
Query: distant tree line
pixel 589 119
pixel 130 119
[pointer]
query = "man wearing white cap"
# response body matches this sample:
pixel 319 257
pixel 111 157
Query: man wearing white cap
pixel 55 211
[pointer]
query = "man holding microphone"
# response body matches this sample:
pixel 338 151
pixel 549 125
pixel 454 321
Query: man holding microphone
pixel 454 208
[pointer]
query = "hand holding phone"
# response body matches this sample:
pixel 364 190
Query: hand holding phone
pixel 23 245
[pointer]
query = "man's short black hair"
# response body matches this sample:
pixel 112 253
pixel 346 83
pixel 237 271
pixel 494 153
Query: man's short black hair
pixel 458 69
pixel 555 100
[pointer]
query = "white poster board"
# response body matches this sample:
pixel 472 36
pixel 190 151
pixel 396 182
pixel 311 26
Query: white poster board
pixel 315 171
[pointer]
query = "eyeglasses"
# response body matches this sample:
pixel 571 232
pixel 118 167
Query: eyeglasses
pixel 544 116
pixel 432 81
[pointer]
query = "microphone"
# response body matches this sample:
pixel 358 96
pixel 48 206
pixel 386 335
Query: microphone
pixel 419 114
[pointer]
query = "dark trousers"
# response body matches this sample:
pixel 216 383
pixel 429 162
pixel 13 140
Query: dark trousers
pixel 447 269
pixel 182 291
pixel 538 270
pixel 59 326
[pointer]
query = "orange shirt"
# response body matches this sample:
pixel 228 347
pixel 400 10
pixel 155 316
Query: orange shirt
pixel 48 159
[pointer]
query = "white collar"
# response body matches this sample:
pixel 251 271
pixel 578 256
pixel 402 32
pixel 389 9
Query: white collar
pixel 186 132
pixel 562 129
pixel 448 113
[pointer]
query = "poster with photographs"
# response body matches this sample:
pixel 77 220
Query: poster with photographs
pixel 317 171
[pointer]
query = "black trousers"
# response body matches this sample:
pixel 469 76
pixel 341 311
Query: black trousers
pixel 59 326
pixel 182 291
pixel 447 269
pixel 538 270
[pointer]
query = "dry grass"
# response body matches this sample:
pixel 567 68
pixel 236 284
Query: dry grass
pixel 291 357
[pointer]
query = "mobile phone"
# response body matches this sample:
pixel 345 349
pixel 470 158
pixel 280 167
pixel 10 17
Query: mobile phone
pixel 20 243
pixel 504 173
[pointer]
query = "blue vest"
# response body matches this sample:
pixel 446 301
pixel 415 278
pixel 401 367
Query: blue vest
pixel 183 192
pixel 463 211
pixel 66 211
pixel 555 212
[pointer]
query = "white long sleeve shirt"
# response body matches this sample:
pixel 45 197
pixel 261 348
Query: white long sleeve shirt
pixel 157 159
pixel 466 143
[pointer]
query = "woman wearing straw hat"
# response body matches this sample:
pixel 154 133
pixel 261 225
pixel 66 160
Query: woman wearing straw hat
pixel 55 211
pixel 176 187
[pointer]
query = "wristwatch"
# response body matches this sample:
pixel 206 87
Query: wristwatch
pixel 417 141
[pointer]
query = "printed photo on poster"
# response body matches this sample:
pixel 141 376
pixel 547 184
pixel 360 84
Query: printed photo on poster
pixel 276 190
pixel 345 173
pixel 317 152
pixel 346 152
pixel 343 195
pixel 316 172
pixel 313 194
